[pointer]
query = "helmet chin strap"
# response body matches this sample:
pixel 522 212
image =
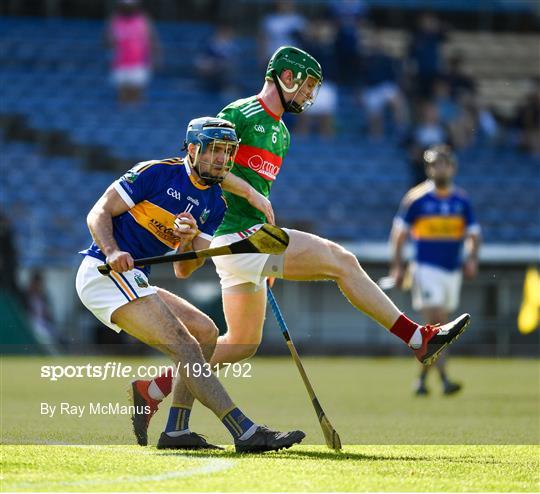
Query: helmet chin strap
pixel 193 164
pixel 280 88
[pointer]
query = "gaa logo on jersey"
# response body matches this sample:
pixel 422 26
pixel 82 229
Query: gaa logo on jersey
pixel 259 128
pixel 174 193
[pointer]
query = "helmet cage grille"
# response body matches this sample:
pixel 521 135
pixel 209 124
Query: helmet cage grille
pixel 219 154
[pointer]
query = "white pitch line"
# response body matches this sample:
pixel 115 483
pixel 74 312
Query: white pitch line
pixel 212 465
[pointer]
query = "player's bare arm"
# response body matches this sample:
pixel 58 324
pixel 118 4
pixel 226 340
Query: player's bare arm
pixel 398 237
pixel 99 222
pixel 241 188
pixel 472 247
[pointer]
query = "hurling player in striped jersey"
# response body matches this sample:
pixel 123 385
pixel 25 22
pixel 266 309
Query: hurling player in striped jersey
pixel 138 217
pixel 439 218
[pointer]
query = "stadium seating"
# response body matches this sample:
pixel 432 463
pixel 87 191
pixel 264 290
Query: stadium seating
pixel 503 64
pixel 55 75
pixel 47 199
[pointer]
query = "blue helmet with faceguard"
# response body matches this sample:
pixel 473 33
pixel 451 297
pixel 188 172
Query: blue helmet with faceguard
pixel 216 139
pixel 203 130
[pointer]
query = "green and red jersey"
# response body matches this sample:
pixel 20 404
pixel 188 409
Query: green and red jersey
pixel 264 142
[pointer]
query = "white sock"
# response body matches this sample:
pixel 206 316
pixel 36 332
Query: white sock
pixel 178 433
pixel 416 339
pixel 248 433
pixel 154 392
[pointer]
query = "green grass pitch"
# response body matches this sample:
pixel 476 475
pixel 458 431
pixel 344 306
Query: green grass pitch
pixel 485 439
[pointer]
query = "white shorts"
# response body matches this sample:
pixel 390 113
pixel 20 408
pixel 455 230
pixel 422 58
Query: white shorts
pixel 435 287
pixel 238 269
pixel 376 98
pixel 102 295
pixel 131 76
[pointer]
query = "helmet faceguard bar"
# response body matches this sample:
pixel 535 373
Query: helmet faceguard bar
pixel 214 156
pixel 300 90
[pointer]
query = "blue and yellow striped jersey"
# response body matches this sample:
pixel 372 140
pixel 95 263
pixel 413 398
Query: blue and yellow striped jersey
pixel 156 191
pixel 438 224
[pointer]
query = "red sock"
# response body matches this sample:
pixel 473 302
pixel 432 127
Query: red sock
pixel 404 328
pixel 164 381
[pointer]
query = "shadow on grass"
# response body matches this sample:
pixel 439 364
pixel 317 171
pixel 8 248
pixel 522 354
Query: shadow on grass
pixel 325 455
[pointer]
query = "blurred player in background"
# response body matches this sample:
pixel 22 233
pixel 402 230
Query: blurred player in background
pixel 136 49
pixel 40 313
pixel 292 80
pixel 439 218
pixel 137 217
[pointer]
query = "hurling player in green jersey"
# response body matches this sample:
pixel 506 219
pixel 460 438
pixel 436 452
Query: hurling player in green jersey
pixel 292 81
pixel 291 84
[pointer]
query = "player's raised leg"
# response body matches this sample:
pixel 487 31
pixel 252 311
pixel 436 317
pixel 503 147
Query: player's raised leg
pixel 309 258
pixel 312 258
